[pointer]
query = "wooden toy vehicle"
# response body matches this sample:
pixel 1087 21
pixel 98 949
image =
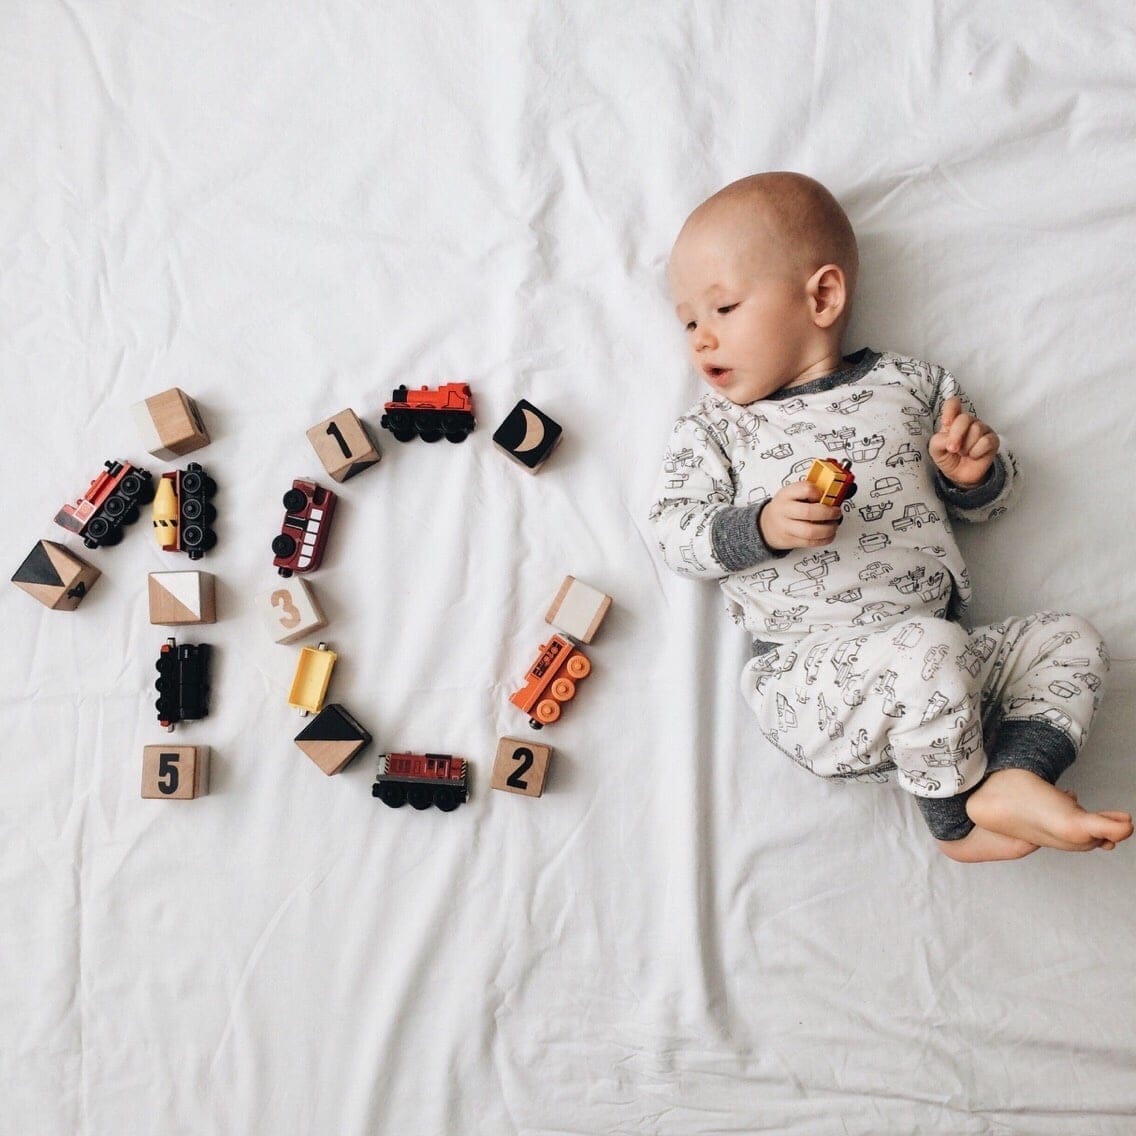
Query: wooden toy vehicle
pixel 110 502
pixel 311 680
pixel 551 681
pixel 182 683
pixel 835 480
pixel 183 512
pixel 304 531
pixel 423 779
pixel 430 414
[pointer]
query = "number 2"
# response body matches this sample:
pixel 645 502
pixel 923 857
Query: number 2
pixel 516 778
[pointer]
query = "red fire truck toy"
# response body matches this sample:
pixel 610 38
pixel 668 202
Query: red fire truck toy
pixel 551 681
pixel 303 534
pixel 430 414
pixel 183 512
pixel 423 779
pixel 111 501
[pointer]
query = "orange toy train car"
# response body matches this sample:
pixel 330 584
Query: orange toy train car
pixel 551 681
pixel 430 414
pixel 110 502
pixel 835 480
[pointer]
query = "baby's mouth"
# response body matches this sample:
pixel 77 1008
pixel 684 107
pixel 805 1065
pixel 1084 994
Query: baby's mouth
pixel 716 374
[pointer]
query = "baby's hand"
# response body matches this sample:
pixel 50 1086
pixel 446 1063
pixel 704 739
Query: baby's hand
pixel 964 448
pixel 793 518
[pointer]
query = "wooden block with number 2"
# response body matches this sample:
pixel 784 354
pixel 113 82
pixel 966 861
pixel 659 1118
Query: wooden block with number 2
pixel 520 767
pixel 290 610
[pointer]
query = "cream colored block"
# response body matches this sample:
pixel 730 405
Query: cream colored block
pixel 578 609
pixel 290 610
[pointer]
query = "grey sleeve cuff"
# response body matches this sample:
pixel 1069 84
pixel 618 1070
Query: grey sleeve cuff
pixel 736 540
pixel 978 496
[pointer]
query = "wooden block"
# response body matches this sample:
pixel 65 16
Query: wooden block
pixel 333 738
pixel 182 597
pixel 520 767
pixel 175 773
pixel 578 609
pixel 290 611
pixel 528 435
pixel 55 576
pixel 343 445
pixel 170 424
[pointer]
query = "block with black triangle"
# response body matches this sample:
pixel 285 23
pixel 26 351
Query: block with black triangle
pixel 344 445
pixel 55 576
pixel 333 738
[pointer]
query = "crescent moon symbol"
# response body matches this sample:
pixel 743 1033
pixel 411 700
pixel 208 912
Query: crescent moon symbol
pixel 534 433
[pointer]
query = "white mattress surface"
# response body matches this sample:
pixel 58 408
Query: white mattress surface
pixel 289 209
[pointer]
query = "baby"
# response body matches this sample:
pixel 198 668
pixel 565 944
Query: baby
pixel 860 662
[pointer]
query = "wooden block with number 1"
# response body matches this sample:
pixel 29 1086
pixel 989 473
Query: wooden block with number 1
pixel 344 445
pixel 520 766
pixel 176 773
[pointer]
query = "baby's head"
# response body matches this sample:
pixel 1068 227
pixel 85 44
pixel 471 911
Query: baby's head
pixel 762 276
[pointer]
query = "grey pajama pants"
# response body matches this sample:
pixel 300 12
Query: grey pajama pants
pixel 941 705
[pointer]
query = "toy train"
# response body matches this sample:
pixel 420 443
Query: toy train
pixel 835 480
pixel 308 509
pixel 551 681
pixel 422 779
pixel 111 501
pixel 183 512
pixel 430 414
pixel 182 683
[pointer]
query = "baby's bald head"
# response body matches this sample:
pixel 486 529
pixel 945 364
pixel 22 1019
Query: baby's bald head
pixel 787 215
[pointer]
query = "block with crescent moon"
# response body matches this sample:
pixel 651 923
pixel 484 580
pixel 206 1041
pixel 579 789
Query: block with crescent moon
pixel 528 435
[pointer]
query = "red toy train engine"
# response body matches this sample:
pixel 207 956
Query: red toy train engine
pixel 430 414
pixel 111 501
pixel 423 779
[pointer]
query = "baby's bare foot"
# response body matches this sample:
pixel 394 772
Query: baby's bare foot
pixel 980 847
pixel 1021 805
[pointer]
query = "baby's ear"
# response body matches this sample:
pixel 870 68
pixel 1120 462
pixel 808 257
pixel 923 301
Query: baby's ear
pixel 828 295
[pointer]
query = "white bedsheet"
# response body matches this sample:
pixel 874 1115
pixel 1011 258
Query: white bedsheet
pixel 287 209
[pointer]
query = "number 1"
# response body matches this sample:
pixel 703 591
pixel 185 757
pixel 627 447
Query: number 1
pixel 334 430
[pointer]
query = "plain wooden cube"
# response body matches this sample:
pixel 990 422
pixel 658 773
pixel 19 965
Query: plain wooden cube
pixel 290 611
pixel 520 767
pixel 175 773
pixel 344 445
pixel 178 598
pixel 55 576
pixel 578 609
pixel 333 738
pixel 170 424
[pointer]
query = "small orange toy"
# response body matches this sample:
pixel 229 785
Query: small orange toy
pixel 551 681
pixel 835 480
pixel 430 414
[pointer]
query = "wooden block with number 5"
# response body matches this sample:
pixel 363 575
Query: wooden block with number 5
pixel 520 767
pixel 343 445
pixel 290 610
pixel 177 773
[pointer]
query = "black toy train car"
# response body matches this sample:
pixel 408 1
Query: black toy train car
pixel 182 683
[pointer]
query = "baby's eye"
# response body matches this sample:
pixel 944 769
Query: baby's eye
pixel 691 326
pixel 727 309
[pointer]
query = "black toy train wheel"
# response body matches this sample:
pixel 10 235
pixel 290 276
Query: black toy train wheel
pixel 401 424
pixel 283 545
pixel 100 532
pixel 192 537
pixel 191 508
pixel 392 795
pixel 420 797
pixel 294 500
pixel 457 426
pixel 115 506
pixel 136 486
pixel 447 799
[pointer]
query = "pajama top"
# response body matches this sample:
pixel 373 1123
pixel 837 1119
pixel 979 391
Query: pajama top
pixel 894 556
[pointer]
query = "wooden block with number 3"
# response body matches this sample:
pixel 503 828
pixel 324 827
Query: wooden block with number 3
pixel 520 767
pixel 176 773
pixel 343 445
pixel 290 610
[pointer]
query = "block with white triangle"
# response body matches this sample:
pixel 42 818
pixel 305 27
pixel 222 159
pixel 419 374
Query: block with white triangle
pixel 182 597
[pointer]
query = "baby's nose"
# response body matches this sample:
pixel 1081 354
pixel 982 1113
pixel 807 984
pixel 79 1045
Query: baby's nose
pixel 704 337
